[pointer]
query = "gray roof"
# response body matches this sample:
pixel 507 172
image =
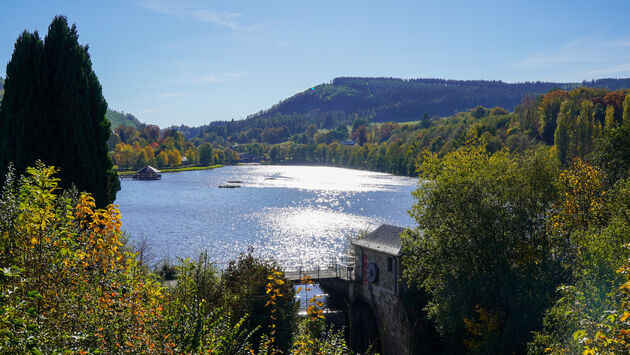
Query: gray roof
pixel 148 169
pixel 385 239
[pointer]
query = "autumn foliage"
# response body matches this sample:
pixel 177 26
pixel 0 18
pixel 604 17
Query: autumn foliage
pixel 69 283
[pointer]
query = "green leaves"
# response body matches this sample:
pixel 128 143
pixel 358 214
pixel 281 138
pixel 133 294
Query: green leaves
pixel 480 244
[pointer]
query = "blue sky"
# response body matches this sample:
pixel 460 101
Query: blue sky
pixel 192 61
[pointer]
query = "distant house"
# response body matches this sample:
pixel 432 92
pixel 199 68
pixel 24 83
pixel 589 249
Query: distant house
pixel 148 173
pixel 348 142
pixel 378 284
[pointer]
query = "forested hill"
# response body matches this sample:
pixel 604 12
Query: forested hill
pixel 400 100
pixel 1 88
pixel 346 100
pixel 117 119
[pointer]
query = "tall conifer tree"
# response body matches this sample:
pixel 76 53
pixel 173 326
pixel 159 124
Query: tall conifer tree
pixel 54 110
pixel 23 124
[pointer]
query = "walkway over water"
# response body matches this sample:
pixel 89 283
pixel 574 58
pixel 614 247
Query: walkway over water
pixel 339 270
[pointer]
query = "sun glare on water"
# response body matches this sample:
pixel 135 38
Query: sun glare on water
pixel 298 215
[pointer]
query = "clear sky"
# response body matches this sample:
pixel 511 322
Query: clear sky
pixel 194 61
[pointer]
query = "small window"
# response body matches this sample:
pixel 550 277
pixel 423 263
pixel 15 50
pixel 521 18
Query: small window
pixel 390 264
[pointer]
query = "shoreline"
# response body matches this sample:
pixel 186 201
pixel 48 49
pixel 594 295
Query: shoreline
pixel 174 170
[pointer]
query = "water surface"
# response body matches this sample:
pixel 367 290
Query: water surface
pixel 296 214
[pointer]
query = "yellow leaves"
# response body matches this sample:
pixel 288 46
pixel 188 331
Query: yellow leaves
pixel 583 199
pixel 487 325
pixel 625 316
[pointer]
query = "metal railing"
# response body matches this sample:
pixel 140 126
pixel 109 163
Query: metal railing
pixel 340 270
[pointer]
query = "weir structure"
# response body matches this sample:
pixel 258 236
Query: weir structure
pixel 367 287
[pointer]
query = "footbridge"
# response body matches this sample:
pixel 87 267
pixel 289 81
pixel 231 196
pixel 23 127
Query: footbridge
pixel 340 270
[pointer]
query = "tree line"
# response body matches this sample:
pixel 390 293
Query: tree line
pixel 570 121
pixel 134 149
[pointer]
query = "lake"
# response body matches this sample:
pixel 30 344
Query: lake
pixel 299 215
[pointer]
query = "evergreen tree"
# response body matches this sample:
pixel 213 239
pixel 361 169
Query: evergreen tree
pixel 24 128
pixel 54 110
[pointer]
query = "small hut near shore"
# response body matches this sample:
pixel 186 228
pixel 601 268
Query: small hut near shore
pixel 148 173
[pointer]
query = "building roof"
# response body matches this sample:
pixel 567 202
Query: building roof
pixel 384 239
pixel 148 170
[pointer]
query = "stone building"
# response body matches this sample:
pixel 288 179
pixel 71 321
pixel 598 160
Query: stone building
pixel 377 284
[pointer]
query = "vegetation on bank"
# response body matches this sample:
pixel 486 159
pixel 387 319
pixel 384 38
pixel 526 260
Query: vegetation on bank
pixel 70 283
pixel 174 170
pixel 132 149
pixel 570 121
pixel 523 252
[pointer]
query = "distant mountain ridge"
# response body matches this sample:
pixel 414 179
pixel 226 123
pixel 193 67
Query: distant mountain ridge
pixel 346 99
pixel 391 99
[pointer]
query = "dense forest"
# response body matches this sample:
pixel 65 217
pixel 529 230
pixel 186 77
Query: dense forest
pixel 387 99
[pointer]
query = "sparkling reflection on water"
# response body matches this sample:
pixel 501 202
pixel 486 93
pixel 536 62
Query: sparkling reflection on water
pixel 296 214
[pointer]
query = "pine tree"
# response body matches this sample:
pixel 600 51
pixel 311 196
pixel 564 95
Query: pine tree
pixel 54 110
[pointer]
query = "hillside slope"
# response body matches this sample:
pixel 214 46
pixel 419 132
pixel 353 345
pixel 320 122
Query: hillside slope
pixel 399 100
pixel 345 100
pixel 117 119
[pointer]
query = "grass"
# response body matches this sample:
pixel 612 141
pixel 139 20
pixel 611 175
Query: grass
pixel 174 170
pixel 191 168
